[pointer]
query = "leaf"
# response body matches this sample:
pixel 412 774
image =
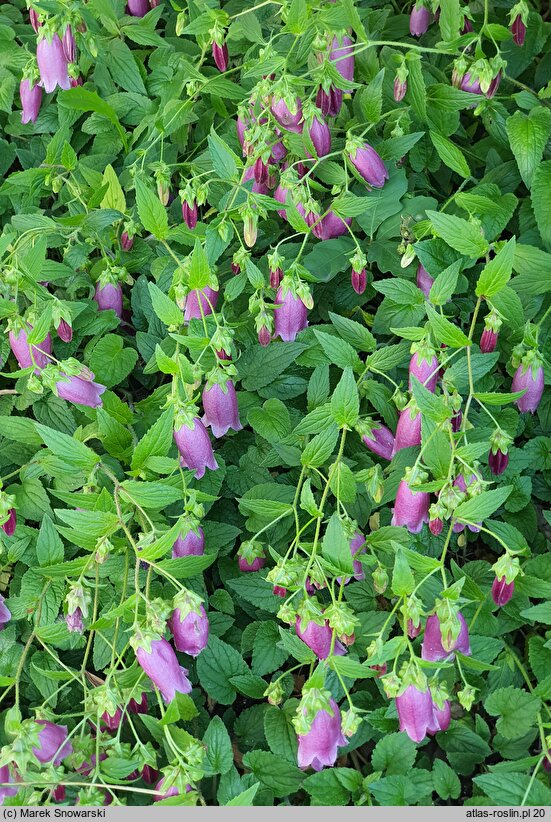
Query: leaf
pixel 445 780
pixel 280 733
pixel 110 362
pixel 445 331
pixel 345 402
pixel 123 67
pixel 281 777
pixel 320 448
pixel 165 309
pixel 482 506
pixel 81 99
pixel 459 234
pixel 517 710
pixel 534 267
pixel 114 196
pixel 541 200
pixel 258 366
pixel 528 136
pixel 155 443
pixel 72 452
pixel 514 789
pixel 403 581
pixel 337 351
pixel 445 284
pixel 450 155
pixel 394 754
pixel 498 399
pixel 218 754
pixel 357 335
pixel 335 546
pixel 416 91
pixel 538 613
pixel 399 291
pixel 257 591
pixel 151 211
pixel 199 271
pixel 430 405
pixel 497 272
pixel 216 664
pixel 224 162
pixel 387 357
pixel 245 798
pixel 272 421
pixel 450 20
pixel 49 547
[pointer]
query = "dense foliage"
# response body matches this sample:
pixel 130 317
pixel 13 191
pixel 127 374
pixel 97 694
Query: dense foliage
pixel 275 448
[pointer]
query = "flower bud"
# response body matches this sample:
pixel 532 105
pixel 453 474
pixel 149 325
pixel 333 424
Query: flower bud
pixel 359 280
pixel 380 579
pixel 518 30
pixel 529 377
pixel 31 98
pixel 64 331
pixel 424 280
pixel 502 591
pixel 400 89
pixel 220 55
pixel 127 241
pixel 367 163
pixel 419 20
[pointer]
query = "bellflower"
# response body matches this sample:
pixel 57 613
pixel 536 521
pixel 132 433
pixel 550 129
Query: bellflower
pixel 433 649
pixel 163 669
pixel 358 280
pixel 69 45
pixel 367 163
pixel 288 117
pixel 220 406
pixel 332 226
pixel 411 508
pixel 290 314
pixel 329 102
pixel 318 637
pixel 5 779
pixel 441 718
pixel 195 449
pixel 408 430
pixel 415 712
pixel 138 8
pixel 109 297
pixel 320 136
pixel 518 30
pixel 9 525
pixel 190 630
pixel 31 98
pixel 220 56
pixel 80 389
pixel 381 441
pixel 318 747
pixel 502 591
pixel 52 64
pixel 22 350
pixel 192 544
pixel 138 707
pixel 424 365
pixel 342 55
pixel 419 20
pixel 74 622
pixel 5 614
pixel 199 302
pixel 424 280
pixel 52 743
pixel 529 377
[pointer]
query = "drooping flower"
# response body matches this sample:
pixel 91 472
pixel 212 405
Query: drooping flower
pixel 357 546
pixel 400 89
pixel 441 718
pixel 31 98
pixel 9 525
pixel 52 64
pixel 5 780
pixel 329 102
pixel 518 30
pixel 318 747
pixel 320 136
pixel 34 19
pixel 189 624
pixel 138 8
pixel 290 314
pixel 189 213
pixel 22 350
pixel 195 448
pixel 69 45
pixel 359 280
pixel 424 365
pixel 5 614
pixel 424 280
pixel 408 430
pixel 163 669
pixel 433 649
pixel 288 113
pixel 250 556
pixel 138 707
pixel 380 440
pixel 470 84
pixel 411 508
pixel 415 712
pixel 80 389
pixel 529 377
pixel 64 330
pixel 367 163
pixel 111 721
pixel 53 744
pixel 109 297
pixel 127 241
pixel 488 341
pixel 342 55
pixel 220 406
pixel 220 56
pixel 419 20
pixel 332 226
pixel 318 637
pixel 502 591
pixel 74 622
pixel 199 302
pixel 192 544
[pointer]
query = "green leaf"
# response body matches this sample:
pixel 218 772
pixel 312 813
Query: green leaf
pixel 338 351
pixel 280 733
pixel 218 753
pixel 124 67
pixel 534 267
pixel 482 506
pixel 165 309
pixel 151 211
pixel 514 789
pixel 72 452
pixel 335 546
pixel 498 399
pixel 445 331
pixel 81 99
pixel 114 196
pixel 345 402
pixel 399 291
pixel 224 162
pixel 538 613
pixel 517 710
pixel 394 754
pixel 541 200
pixel 272 421
pixel 445 780
pixel 155 443
pixel 257 591
pixel 357 335
pixel 450 155
pixel 387 357
pixel 459 234
pixel 216 664
pixel 430 405
pixel 281 777
pixel 497 272
pixel 528 136
pixel 320 448
pixel 445 284
pixel 245 798
pixel 49 547
pixel 258 366
pixel 416 92
pixel 451 19
pixel 403 581
pixel 110 362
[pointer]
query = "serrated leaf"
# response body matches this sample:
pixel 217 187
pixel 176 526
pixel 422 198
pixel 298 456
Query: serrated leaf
pixel 528 136
pixel 114 196
pixel 151 211
pixel 497 272
pixel 445 331
pixel 450 155
pixel 482 506
pixel 459 234
pixel 345 402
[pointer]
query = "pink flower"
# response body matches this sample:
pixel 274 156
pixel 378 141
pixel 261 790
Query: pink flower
pixel 74 622
pixel 488 341
pixel 318 638
pixel 408 430
pixel 80 391
pixel 331 226
pixel 33 19
pixel 248 567
pixel 109 297
pixel 533 383
pixel 441 718
pixel 31 98
pixel 200 301
pixel 5 779
pixel 111 721
pixel 5 614
pixel 419 21
pixel 329 102
pixel 400 89
pixel 163 669
pixel 320 136
pixel 290 315
pixel 195 448
pixel 126 241
pixel 285 117
pixel 424 280
pixel 191 633
pixel 22 350
pixel 52 64
pixel 52 743
pixel 64 331
pixel 221 411
pixel 415 712
pixel 191 545
pixel 470 84
pixel 498 461
pixel 411 508
pixel 369 164
pixel 318 747
pixel 138 8
pixel 342 55
pixel 502 591
pixel 359 280
pixel 138 707
pixel 9 525
pixel 433 649
pixel 425 368
pixel 518 30
pixel 69 45
pixel 381 441
pixel 220 56
pixel 189 214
